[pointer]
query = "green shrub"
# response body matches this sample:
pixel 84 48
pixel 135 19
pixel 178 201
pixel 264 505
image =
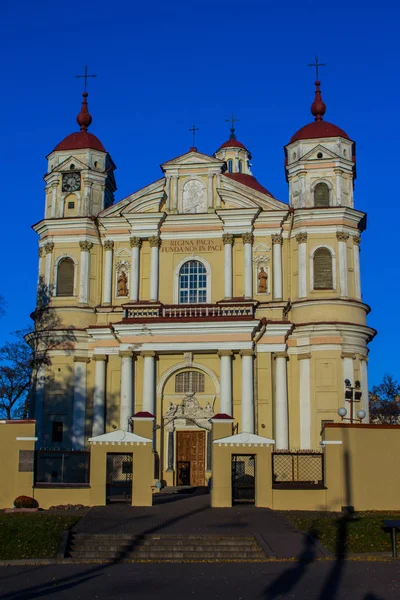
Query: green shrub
pixel 25 502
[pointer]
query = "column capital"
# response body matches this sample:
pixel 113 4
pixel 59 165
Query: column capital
pixel 135 242
pixel 341 236
pixel 126 354
pixel 356 240
pixel 361 357
pixel 248 238
pixel 49 247
pixel 155 241
pixel 108 244
pixel 148 354
pixel 224 353
pixel 228 238
pixel 281 355
pixel 277 238
pixel 84 359
pixel 301 238
pixel 246 352
pixel 304 356
pixel 348 355
pixel 41 252
pixel 86 246
pixel 100 357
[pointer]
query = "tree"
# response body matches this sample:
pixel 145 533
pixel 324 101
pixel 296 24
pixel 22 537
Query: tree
pixel 384 402
pixel 15 377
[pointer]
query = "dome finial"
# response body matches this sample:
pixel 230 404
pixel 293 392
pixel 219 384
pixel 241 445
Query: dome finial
pixel 232 121
pixel 84 118
pixel 318 107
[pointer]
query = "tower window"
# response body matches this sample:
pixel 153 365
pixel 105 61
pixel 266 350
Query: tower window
pixel 240 166
pixel 65 277
pixel 320 155
pixel 72 166
pixel 71 204
pixel 323 272
pixel 230 165
pixel 189 381
pixel 321 194
pixel 192 283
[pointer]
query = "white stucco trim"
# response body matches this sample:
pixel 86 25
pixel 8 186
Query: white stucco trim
pixel 55 267
pixel 179 367
pixel 331 443
pixel 311 258
pixel 208 274
pixel 244 439
pixel 26 439
pixel 120 437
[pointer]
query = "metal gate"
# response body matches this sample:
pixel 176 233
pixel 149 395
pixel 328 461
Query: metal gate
pixel 243 478
pixel 119 477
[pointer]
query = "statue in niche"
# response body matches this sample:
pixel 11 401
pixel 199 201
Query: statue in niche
pixel 262 281
pixel 194 197
pixel 122 284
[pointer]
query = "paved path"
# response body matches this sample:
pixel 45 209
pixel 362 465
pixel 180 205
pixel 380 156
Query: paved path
pixel 323 580
pixel 192 514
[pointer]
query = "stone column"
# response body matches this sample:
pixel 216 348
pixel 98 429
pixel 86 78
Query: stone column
pixel 48 248
pixel 281 403
pixel 348 372
pixel 277 289
pixel 108 271
pixel 338 173
pixel 53 213
pixel 99 396
pixel 168 191
pixel 149 382
pixel 218 186
pixel 247 391
pixel 155 243
pixel 302 242
pixel 305 401
pixel 303 193
pixel 126 400
pixel 175 194
pixel 210 199
pixel 41 253
pixel 342 246
pixel 357 275
pixel 38 412
pixel 136 244
pixel 364 386
pixel 227 239
pixel 79 407
pixel 226 402
pixel 248 239
pixel 84 272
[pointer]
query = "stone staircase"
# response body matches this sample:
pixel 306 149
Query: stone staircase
pixel 84 547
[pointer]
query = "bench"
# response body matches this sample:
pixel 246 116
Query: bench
pixel 392 526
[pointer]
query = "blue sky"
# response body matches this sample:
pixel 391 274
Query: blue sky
pixel 163 66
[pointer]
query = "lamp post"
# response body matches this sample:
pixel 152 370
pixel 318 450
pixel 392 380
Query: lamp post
pixel 352 394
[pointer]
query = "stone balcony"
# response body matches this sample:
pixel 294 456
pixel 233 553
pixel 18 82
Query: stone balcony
pixel 229 310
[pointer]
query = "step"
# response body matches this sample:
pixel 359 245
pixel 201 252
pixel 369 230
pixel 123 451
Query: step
pixel 138 549
pixel 170 555
pixel 176 543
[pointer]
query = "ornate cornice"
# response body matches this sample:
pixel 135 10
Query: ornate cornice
pixel 49 247
pixel 348 355
pixel 341 236
pixel 126 354
pixel 84 359
pixel 246 352
pixel 277 238
pixel 108 245
pixel 281 355
pixel 227 238
pixel 155 241
pixel 248 238
pixel 224 353
pixel 301 238
pixel 86 246
pixel 148 354
pixel 135 242
pixel 100 357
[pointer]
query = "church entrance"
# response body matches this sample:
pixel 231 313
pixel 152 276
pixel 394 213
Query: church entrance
pixel 190 457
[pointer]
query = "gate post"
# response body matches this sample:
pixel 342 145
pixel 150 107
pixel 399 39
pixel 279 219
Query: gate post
pixel 143 460
pixel 221 462
pixel 264 497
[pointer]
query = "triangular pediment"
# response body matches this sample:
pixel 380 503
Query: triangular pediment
pixel 147 199
pixel 313 154
pixel 119 437
pixel 192 158
pixel 245 439
pixel 65 165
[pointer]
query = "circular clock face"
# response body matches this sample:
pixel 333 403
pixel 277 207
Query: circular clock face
pixel 71 182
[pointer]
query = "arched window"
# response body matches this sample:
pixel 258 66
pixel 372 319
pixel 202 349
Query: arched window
pixel 323 272
pixel 321 194
pixel 192 283
pixel 230 165
pixel 240 166
pixel 189 381
pixel 65 277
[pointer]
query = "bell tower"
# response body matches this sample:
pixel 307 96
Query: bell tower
pixel 320 162
pixel 80 178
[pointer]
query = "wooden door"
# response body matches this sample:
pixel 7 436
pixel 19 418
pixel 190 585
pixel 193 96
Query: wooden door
pixel 190 448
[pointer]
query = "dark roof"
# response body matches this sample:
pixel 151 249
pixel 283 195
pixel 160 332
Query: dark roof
pixel 318 129
pixel 250 181
pixel 80 140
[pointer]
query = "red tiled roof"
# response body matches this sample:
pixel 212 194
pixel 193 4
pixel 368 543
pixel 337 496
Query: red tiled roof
pixel 250 181
pixel 318 129
pixel 79 141
pixel 222 416
pixel 143 415
pixel 233 144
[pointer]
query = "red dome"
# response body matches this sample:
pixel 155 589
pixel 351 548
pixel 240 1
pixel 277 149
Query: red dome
pixel 318 129
pixel 233 144
pixel 79 141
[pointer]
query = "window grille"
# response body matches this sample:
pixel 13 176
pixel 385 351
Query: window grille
pixel 321 194
pixel 323 275
pixel 189 381
pixel 65 277
pixel 192 283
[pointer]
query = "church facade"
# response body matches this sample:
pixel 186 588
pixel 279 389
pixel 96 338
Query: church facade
pixel 201 295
